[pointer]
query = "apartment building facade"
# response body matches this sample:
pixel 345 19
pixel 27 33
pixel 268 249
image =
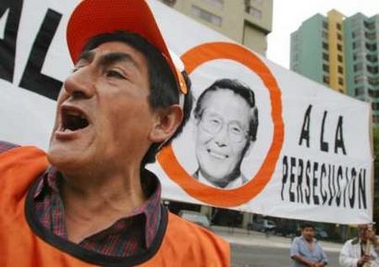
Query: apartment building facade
pixel 247 22
pixel 340 52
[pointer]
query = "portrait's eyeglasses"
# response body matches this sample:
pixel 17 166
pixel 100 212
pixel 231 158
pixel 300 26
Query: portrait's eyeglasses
pixel 213 123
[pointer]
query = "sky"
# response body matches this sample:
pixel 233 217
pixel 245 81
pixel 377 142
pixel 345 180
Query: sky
pixel 289 14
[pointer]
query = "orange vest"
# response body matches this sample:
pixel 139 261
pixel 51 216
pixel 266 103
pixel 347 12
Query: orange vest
pixel 181 243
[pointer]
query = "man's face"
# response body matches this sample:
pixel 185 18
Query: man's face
pixel 364 232
pixel 308 233
pixel 103 116
pixel 222 135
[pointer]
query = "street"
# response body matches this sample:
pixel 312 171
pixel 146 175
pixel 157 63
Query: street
pixel 261 256
pixel 255 249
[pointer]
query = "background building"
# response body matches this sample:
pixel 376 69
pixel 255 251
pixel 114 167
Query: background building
pixel 340 52
pixel 247 22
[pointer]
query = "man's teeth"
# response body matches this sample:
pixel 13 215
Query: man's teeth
pixel 76 114
pixel 217 155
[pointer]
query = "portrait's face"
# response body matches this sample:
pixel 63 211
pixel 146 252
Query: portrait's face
pixel 222 135
pixel 100 111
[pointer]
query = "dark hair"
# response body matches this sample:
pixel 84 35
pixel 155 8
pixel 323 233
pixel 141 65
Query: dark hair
pixel 238 88
pixel 307 225
pixel 163 85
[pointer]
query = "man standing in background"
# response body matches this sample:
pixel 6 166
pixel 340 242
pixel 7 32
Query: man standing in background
pixel 305 249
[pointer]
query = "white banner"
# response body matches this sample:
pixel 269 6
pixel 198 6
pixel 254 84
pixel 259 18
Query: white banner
pixel 311 158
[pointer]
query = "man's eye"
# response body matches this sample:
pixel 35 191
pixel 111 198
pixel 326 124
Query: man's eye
pixel 236 130
pixel 115 74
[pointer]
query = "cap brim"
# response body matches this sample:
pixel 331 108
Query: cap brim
pixel 94 17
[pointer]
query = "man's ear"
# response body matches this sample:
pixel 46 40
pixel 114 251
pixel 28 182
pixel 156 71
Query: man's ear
pixel 167 121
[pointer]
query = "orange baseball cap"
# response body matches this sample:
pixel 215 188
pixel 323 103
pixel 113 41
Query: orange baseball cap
pixel 94 17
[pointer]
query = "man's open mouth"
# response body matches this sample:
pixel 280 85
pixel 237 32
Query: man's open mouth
pixel 73 119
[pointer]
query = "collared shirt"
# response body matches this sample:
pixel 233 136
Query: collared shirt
pixel 128 236
pixel 300 247
pixel 351 252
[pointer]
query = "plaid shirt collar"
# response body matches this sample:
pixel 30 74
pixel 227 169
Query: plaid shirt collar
pixel 49 186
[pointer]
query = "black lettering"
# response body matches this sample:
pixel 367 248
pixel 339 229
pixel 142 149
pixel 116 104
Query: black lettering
pixel 299 190
pixel 339 192
pixel 324 146
pixel 362 189
pixel 324 195
pixel 32 78
pixel 332 184
pixel 292 178
pixel 8 44
pixel 306 125
pixel 285 175
pixel 339 143
pixel 352 188
pixel 315 184
pixel 307 191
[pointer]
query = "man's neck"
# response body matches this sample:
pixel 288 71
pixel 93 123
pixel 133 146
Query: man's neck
pixel 222 182
pixel 95 205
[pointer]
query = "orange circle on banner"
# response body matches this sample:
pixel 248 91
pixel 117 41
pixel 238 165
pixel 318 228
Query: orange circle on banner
pixel 238 196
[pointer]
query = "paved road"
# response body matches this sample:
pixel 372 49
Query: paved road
pixel 261 256
pixel 255 249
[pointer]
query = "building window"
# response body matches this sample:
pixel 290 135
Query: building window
pixel 340 81
pixel 325 67
pixel 205 15
pixel 370 36
pixel 375 106
pixel 339 58
pixel 325 35
pixel 369 25
pixel 254 11
pixel 372 58
pixel 325 56
pixel 372 69
pixel 326 79
pixel 325 45
pixel 359 91
pixel 371 47
pixel 373 93
pixel 373 81
pixel 325 25
pixel 340 69
pixel 169 2
pixel 216 3
pixel 339 36
pixel 375 118
pixel 339 27
pixel 339 47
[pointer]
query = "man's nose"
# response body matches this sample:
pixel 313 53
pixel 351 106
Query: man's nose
pixel 222 137
pixel 81 83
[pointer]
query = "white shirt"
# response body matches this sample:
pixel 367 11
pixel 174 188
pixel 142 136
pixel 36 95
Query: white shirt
pixel 351 253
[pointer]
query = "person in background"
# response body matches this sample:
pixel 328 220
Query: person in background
pixel 305 249
pixel 227 122
pixel 360 251
pixel 90 201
